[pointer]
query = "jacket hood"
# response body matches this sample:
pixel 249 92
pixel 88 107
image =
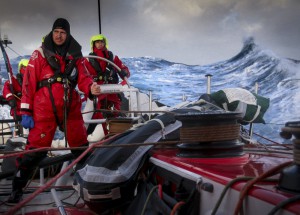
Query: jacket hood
pixel 98 37
pixel 23 62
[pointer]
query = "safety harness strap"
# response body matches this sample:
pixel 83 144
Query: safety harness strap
pixel 49 81
pixel 54 108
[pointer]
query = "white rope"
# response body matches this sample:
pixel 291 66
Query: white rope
pixel 162 127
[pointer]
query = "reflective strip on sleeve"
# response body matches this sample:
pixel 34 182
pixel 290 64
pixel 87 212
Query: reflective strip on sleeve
pixel 8 95
pixel 25 105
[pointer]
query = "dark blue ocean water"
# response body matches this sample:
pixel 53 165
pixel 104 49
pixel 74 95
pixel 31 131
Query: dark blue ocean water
pixel 278 79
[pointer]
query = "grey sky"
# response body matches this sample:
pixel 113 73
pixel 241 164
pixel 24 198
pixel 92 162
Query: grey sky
pixel 184 31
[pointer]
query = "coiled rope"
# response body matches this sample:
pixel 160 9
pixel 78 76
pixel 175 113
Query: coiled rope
pixel 210 133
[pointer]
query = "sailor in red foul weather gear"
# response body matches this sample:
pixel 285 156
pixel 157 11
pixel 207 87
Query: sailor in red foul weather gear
pixel 14 98
pixel 105 73
pixel 49 99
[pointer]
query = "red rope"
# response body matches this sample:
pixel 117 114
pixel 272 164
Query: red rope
pixel 176 207
pixel 14 154
pixel 250 184
pixel 50 182
pixel 271 140
pixel 25 152
pixel 160 191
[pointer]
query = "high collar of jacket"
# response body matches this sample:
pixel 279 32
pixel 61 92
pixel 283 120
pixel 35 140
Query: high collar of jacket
pixel 100 52
pixel 70 47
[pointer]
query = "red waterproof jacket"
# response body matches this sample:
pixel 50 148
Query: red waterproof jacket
pixel 36 101
pixel 7 94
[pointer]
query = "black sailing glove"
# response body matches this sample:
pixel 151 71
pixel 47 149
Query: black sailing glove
pixel 12 103
pixel 123 74
pixel 111 75
pixel 109 71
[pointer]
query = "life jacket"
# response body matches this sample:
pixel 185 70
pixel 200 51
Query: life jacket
pixel 109 75
pixel 70 75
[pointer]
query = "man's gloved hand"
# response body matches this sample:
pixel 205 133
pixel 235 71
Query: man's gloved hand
pixel 27 121
pixel 12 103
pixel 123 74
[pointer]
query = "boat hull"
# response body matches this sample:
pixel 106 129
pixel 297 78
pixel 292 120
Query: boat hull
pixel 210 176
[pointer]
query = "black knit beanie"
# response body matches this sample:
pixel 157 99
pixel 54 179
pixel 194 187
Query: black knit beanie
pixel 62 23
